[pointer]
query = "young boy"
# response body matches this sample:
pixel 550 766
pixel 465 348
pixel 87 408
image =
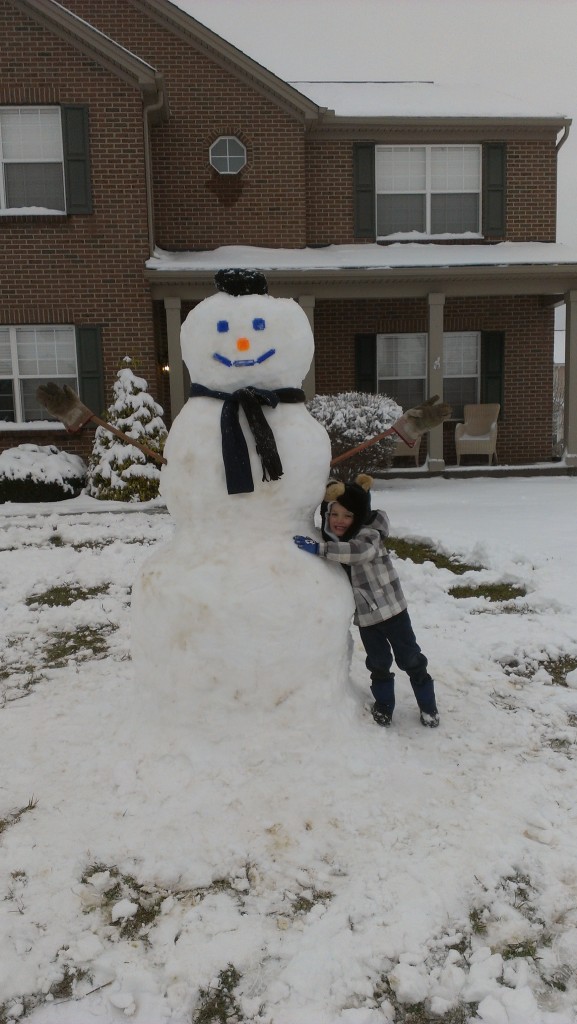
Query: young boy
pixel 355 537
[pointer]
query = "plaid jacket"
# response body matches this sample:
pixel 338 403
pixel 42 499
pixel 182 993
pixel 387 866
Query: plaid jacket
pixel 376 585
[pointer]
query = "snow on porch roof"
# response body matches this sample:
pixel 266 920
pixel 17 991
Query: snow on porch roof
pixel 371 256
pixel 419 99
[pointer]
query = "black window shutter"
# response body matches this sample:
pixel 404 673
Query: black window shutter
pixel 75 137
pixel 364 186
pixel 90 368
pixel 494 183
pixel 366 362
pixel 492 365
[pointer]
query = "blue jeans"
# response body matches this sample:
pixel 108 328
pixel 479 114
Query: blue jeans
pixel 394 638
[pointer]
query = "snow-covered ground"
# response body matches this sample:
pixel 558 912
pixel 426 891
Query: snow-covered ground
pixel 397 875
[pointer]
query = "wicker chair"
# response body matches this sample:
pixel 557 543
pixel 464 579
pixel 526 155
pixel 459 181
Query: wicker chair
pixel 402 450
pixel 478 434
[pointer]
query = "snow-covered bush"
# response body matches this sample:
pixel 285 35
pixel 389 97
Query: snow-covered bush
pixel 31 472
pixel 351 418
pixel 118 471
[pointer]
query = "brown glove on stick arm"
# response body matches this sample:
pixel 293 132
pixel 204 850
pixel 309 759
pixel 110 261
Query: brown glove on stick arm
pixel 408 427
pixel 422 418
pixel 65 405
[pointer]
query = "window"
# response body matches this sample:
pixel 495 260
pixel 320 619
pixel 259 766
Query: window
pixel 30 356
pixel 45 160
pixel 402 368
pixel 431 190
pixel 228 155
pixel 32 158
pixel 461 370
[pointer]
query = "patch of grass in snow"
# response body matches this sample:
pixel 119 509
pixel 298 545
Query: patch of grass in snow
pixel 520 950
pixel 106 886
pixel 526 665
pixel 13 817
pixel 419 1013
pixel 492 591
pixel 419 553
pixel 563 745
pixel 66 986
pixel 217 1004
pixel 24 670
pixel 65 594
pixel 559 668
pixel 96 545
pixel 477 920
pixel 305 901
pixel 520 893
pixel 113 886
pixel 62 990
pixel 81 643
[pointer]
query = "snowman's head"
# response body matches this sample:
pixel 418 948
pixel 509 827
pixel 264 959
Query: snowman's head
pixel 243 337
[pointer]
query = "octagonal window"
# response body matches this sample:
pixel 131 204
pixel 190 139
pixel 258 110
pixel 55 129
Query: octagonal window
pixel 228 155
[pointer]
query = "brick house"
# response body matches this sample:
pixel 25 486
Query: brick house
pixel 141 152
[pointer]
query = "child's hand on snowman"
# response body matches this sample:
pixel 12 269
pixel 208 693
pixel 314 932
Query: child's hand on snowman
pixel 307 544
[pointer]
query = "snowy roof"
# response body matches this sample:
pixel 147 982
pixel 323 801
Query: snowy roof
pixel 371 256
pixel 418 99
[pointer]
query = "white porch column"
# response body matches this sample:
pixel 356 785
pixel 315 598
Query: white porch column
pixel 436 462
pixel 176 377
pixel 308 304
pixel 570 409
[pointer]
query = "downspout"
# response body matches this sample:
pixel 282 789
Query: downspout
pixel 563 138
pixel 149 110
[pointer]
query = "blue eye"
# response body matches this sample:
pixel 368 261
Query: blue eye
pixel 222 326
pixel 258 323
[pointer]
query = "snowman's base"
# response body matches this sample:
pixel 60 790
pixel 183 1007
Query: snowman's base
pixel 216 638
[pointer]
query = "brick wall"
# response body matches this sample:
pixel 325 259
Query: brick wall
pixel 531 189
pixel 196 207
pixel 80 269
pixel 525 428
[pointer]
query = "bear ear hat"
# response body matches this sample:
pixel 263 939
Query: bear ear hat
pixel 335 488
pixel 364 481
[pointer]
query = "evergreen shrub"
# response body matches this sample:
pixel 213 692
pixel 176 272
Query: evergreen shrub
pixel 118 471
pixel 352 417
pixel 31 473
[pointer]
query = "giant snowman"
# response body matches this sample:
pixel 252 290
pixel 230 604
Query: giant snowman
pixel 231 622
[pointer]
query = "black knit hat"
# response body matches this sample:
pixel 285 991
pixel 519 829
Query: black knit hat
pixel 355 497
pixel 238 281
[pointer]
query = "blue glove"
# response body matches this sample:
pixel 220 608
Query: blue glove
pixel 307 544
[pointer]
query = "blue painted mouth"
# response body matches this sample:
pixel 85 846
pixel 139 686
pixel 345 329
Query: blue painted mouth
pixel 244 362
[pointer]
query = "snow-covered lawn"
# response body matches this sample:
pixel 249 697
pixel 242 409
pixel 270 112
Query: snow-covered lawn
pixel 400 875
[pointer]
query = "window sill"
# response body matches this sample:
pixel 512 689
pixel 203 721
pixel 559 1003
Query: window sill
pixel 417 236
pixel 32 211
pixel 33 426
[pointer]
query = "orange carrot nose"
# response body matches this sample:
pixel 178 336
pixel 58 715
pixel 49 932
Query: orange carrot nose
pixel 242 344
